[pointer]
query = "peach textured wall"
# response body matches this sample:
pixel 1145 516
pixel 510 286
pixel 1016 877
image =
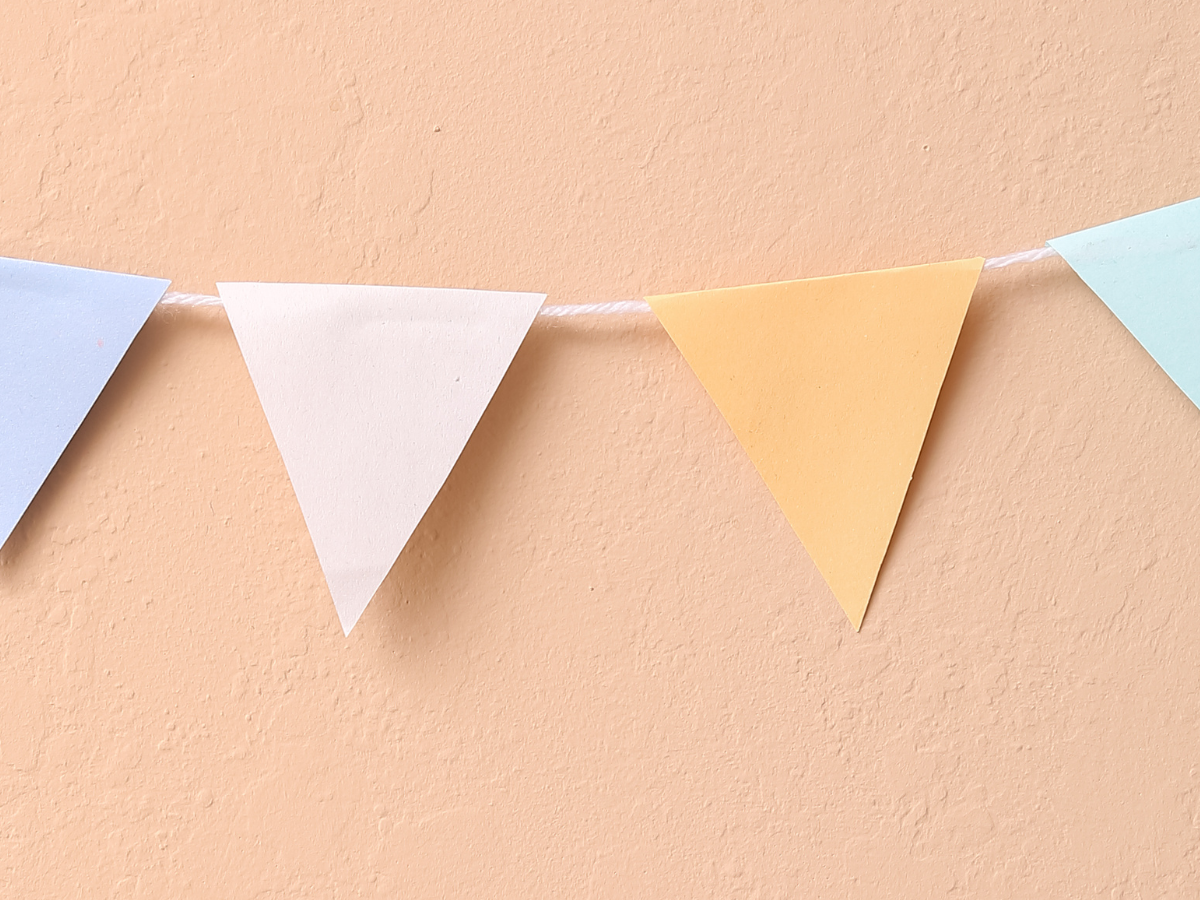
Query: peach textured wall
pixel 604 667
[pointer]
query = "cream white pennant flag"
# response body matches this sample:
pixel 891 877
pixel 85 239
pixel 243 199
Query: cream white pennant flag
pixel 371 394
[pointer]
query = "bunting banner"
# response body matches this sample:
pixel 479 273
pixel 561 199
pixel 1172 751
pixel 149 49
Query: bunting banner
pixel 64 332
pixel 372 392
pixel 829 384
pixel 1146 269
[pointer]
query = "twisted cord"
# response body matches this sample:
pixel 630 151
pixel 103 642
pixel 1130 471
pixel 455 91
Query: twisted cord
pixel 626 307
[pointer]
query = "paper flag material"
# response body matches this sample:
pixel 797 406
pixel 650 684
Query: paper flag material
pixel 829 384
pixel 371 394
pixel 1147 270
pixel 64 332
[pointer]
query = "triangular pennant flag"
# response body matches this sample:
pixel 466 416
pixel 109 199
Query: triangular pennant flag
pixel 1147 270
pixel 829 384
pixel 371 394
pixel 64 332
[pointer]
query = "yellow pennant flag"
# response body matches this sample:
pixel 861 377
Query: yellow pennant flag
pixel 829 384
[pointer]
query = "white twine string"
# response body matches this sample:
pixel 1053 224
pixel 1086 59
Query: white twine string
pixel 1021 256
pixel 172 298
pixel 611 308
pixel 626 307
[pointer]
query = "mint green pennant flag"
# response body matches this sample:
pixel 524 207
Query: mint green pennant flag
pixel 1146 269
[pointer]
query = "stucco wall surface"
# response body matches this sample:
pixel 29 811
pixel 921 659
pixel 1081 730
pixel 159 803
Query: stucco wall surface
pixel 604 666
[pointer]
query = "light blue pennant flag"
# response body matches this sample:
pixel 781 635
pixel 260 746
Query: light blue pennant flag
pixel 1147 270
pixel 63 332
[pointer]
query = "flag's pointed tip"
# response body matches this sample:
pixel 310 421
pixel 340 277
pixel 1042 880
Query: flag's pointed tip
pixel 348 614
pixel 850 597
pixel 347 622
pixel 855 612
pixel 353 593
pixel 6 531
